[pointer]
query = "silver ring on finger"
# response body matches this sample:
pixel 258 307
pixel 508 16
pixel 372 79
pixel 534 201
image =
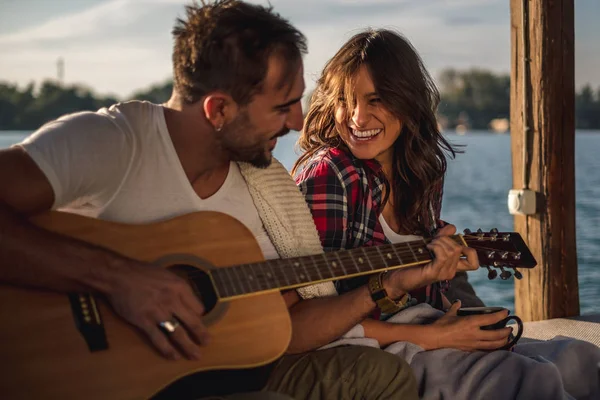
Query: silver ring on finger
pixel 168 327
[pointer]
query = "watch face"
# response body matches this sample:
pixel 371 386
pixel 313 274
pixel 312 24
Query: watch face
pixel 378 295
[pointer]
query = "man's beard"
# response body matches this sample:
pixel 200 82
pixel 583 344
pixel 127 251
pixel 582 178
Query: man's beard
pixel 233 137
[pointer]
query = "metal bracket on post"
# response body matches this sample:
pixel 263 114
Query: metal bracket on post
pixel 522 202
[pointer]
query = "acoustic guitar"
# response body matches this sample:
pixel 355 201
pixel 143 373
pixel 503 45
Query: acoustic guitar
pixel 61 346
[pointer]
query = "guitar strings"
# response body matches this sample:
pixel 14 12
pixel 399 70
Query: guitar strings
pixel 260 282
pixel 278 275
pixel 263 282
pixel 394 249
pixel 323 262
pixel 317 265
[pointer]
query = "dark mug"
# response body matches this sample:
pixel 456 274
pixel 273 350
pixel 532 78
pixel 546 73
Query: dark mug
pixel 512 340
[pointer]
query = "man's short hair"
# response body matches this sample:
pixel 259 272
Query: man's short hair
pixel 226 45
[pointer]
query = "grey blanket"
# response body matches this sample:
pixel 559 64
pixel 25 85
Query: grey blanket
pixel 562 368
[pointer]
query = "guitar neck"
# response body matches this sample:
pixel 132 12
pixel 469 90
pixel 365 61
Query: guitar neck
pixel 279 274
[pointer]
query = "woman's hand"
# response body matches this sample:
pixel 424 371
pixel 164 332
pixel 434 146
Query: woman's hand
pixel 465 333
pixel 447 259
pixel 470 261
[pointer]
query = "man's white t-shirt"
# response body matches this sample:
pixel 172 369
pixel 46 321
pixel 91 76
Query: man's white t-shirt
pixel 119 164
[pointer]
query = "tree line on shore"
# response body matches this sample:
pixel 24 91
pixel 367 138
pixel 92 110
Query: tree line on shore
pixel 470 99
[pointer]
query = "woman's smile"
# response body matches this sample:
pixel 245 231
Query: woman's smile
pixel 365 135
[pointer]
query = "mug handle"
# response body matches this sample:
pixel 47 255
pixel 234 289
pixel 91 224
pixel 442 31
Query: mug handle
pixel 517 336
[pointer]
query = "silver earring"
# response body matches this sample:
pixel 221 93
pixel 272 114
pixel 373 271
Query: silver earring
pixel 218 128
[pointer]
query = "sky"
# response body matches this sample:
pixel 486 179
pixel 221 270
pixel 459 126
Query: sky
pixel 116 47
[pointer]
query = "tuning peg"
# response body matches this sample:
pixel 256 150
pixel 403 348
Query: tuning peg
pixel 467 231
pixel 504 275
pixel 504 255
pixel 517 255
pixel 491 254
pixel 517 274
pixel 494 230
pixel 506 237
pixel 492 273
pixel 479 230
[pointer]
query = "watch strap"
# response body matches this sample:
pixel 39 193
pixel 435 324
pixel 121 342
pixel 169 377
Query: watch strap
pixel 381 298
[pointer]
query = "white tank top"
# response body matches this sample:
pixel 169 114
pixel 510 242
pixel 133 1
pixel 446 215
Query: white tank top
pixel 393 236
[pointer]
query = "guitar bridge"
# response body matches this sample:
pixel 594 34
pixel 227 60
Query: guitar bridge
pixel 88 320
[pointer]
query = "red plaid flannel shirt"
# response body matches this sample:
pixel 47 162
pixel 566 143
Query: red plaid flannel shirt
pixel 345 195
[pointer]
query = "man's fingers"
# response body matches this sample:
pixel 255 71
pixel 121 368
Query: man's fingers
pixel 180 338
pixel 162 344
pixel 194 326
pixel 176 341
pixel 191 314
pixel 191 301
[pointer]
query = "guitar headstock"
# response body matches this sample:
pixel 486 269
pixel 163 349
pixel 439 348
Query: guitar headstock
pixel 501 250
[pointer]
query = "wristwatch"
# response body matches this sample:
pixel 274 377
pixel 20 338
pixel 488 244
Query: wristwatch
pixel 381 298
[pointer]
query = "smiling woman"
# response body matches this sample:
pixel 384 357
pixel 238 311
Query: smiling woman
pixel 376 101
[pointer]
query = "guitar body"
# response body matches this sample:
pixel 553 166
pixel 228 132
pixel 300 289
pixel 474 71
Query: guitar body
pixel 44 356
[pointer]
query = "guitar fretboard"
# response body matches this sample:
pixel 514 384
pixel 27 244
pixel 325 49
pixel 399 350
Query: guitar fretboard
pixel 289 273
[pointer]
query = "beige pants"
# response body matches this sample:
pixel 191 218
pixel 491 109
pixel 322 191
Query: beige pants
pixel 344 373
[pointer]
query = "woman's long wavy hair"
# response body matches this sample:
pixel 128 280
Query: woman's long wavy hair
pixel 407 91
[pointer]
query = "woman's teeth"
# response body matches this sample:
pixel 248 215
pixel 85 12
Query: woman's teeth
pixel 365 135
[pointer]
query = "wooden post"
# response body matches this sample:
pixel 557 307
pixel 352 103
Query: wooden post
pixel 543 95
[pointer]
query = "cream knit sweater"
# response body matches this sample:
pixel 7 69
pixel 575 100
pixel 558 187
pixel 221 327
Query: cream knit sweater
pixel 286 217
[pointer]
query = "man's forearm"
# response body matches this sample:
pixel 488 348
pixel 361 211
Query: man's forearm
pixel 31 256
pixel 316 322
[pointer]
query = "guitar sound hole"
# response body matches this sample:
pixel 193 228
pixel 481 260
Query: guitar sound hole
pixel 200 283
